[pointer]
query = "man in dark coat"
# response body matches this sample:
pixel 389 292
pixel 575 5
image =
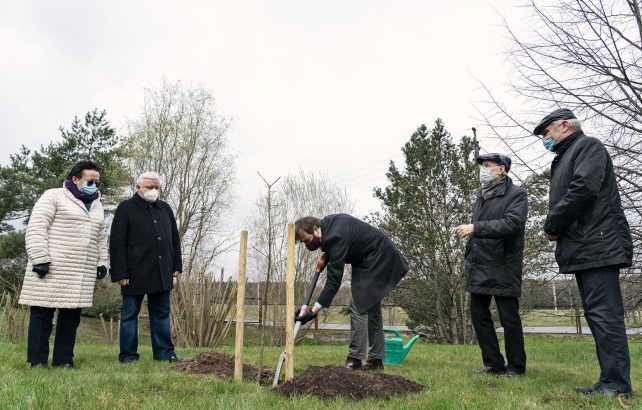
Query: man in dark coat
pixel 593 238
pixel 145 254
pixel 377 266
pixel 494 256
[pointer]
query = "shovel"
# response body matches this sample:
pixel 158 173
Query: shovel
pixel 304 308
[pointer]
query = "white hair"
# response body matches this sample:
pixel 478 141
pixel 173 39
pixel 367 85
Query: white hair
pixel 148 175
pixel 573 124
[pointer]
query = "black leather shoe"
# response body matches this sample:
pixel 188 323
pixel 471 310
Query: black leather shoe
pixel 495 371
pixel 586 389
pixel 374 365
pixel 352 363
pixel 69 366
pixel 608 393
pixel 512 373
pixel 39 366
pixel 176 359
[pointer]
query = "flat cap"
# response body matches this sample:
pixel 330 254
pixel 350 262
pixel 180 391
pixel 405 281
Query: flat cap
pixel 501 159
pixel 558 114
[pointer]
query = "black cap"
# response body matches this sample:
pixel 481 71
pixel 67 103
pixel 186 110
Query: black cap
pixel 501 159
pixel 559 114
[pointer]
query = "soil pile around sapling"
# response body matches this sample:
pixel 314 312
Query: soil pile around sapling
pixel 221 365
pixel 329 382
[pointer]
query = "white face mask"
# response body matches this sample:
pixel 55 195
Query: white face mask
pixel 485 175
pixel 151 195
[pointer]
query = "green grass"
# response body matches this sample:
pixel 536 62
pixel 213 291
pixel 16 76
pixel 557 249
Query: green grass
pixel 548 317
pixel 555 365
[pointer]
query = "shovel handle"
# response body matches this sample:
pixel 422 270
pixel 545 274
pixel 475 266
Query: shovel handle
pixel 315 279
pixel 321 263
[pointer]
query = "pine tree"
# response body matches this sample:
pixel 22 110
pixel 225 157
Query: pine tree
pixel 423 202
pixel 30 173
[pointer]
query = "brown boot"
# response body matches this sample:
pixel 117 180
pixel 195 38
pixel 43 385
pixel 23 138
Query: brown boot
pixel 352 364
pixel 374 365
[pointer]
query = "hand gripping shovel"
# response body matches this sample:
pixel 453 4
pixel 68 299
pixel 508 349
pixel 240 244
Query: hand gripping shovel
pixel 304 308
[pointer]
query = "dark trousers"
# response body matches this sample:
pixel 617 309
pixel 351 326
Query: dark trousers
pixel 508 308
pixel 604 311
pixel 40 327
pixel 158 305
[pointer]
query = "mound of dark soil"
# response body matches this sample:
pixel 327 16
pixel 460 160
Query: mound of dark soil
pixel 329 382
pixel 221 365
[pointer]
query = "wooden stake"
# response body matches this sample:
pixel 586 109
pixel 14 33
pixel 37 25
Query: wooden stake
pixel 240 309
pixel 289 311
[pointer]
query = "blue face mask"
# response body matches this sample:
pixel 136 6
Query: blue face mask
pixel 89 189
pixel 549 142
pixel 485 175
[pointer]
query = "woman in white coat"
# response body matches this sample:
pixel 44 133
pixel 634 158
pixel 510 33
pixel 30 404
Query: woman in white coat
pixel 67 248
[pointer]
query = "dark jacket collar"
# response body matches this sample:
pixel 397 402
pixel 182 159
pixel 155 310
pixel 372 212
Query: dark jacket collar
pixel 567 142
pixel 141 202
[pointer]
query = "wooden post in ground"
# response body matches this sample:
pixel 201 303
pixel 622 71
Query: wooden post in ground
pixel 289 311
pixel 240 309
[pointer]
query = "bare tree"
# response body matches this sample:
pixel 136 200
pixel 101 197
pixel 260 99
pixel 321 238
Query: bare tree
pixel 182 136
pixel 295 196
pixel 269 207
pixel 269 242
pixel 585 55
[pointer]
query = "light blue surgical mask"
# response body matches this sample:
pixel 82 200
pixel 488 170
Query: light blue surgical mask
pixel 549 142
pixel 485 176
pixel 89 189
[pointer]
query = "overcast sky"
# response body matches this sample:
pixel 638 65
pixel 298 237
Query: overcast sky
pixel 336 86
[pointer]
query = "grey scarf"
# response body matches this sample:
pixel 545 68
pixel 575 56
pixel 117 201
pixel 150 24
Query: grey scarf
pixel 488 190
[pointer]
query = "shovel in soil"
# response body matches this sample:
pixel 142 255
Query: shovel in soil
pixel 304 307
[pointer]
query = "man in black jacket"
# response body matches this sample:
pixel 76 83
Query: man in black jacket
pixel 145 254
pixel 593 238
pixel 377 266
pixel 494 256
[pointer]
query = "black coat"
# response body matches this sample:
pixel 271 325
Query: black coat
pixel 495 252
pixel 144 246
pixel 377 264
pixel 585 209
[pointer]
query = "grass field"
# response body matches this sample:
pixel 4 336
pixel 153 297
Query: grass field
pixel 546 317
pixel 555 365
pixel 397 316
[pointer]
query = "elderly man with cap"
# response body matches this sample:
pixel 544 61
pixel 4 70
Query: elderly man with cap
pixel 593 240
pixel 494 255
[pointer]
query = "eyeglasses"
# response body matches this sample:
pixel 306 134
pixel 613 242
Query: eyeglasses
pixel 90 183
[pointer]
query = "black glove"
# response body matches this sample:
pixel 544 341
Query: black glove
pixel 41 269
pixel 101 272
pixel 306 317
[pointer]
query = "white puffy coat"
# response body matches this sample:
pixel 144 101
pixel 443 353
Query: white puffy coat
pixel 61 231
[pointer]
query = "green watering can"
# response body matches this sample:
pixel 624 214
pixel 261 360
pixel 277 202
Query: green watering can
pixel 395 349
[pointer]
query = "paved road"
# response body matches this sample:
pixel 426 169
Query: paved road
pixel 530 330
pixel 570 330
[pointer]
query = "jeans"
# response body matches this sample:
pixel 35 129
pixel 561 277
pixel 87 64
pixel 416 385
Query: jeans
pixel 40 328
pixel 158 306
